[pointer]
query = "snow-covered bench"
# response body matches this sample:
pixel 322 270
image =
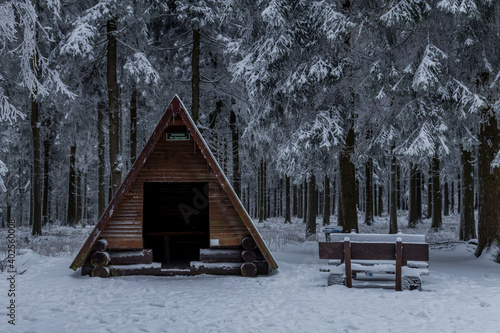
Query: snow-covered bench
pixel 404 255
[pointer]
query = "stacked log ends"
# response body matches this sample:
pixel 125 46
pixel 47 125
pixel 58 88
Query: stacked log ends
pixel 248 269
pixel 248 243
pixel 100 272
pixel 248 256
pixel 100 260
pixel 101 245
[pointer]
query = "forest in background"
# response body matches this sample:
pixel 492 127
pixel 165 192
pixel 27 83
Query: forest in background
pixel 312 108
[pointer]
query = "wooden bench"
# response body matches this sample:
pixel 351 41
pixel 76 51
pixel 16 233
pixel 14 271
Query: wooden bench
pixel 404 255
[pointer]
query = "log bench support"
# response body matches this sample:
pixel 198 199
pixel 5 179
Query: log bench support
pixel 348 251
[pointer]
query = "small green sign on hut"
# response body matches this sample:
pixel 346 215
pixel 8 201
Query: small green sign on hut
pixel 178 136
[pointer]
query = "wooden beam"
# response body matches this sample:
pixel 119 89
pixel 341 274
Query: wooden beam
pixel 399 262
pixel 347 262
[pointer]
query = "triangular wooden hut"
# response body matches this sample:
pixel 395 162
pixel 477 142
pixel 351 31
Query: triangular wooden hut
pixel 175 214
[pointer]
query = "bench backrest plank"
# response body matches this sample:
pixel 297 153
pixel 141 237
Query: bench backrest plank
pixel 374 251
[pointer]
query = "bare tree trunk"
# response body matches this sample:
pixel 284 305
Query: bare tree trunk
pixel 195 76
pixel 398 186
pixel 327 199
pixel 369 192
pixel 467 221
pixel 348 184
pixel 305 201
pixel 288 218
pixel 446 211
pixel 489 183
pixel 429 193
pixel 236 153
pixel 333 192
pixel 101 176
pixel 114 111
pixel 452 197
pixel 20 185
pixel 437 220
pixel 459 194
pixel 265 203
pixel 261 191
pixel 133 126
pixel 36 171
pixel 393 219
pixel 71 215
pixel 380 200
pixel 419 196
pixel 78 190
pixel 340 213
pixel 412 213
pixel 46 186
pixel 312 203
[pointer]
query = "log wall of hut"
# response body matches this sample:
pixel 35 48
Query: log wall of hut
pixel 174 161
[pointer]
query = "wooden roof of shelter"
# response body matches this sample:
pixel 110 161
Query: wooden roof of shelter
pixel 175 109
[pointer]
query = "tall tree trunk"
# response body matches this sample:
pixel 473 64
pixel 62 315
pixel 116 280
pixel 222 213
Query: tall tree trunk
pixel 333 193
pixel 46 186
pixel 467 221
pixel 452 197
pixel 398 186
pixel 489 183
pixel 261 191
pixel 429 193
pixel 114 111
pixel 20 186
pixel 393 219
pixel 327 199
pixel 419 195
pixel 101 169
pixel 195 76
pixel 265 201
pixel 133 126
pixel 37 170
pixel 437 219
pixel 369 192
pixel 380 200
pixel 348 184
pixel 236 153
pixel 305 201
pixel 78 189
pixel 340 213
pixel 412 214
pixel 312 205
pixel 71 215
pixel 459 194
pixel 288 218
pixel 446 200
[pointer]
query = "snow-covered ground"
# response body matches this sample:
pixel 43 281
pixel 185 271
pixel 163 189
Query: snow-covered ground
pixel 461 294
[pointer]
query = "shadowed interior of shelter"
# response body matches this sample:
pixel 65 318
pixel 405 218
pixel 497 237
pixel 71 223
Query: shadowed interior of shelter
pixel 176 221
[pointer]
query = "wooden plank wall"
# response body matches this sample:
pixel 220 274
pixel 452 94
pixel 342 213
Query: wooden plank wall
pixel 225 223
pixel 174 161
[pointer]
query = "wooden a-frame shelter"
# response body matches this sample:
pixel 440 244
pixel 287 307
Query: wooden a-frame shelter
pixel 175 214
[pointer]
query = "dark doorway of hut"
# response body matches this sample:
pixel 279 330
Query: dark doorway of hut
pixel 176 222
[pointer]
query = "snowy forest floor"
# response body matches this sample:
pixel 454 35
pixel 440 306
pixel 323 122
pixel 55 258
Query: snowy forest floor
pixel 461 294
